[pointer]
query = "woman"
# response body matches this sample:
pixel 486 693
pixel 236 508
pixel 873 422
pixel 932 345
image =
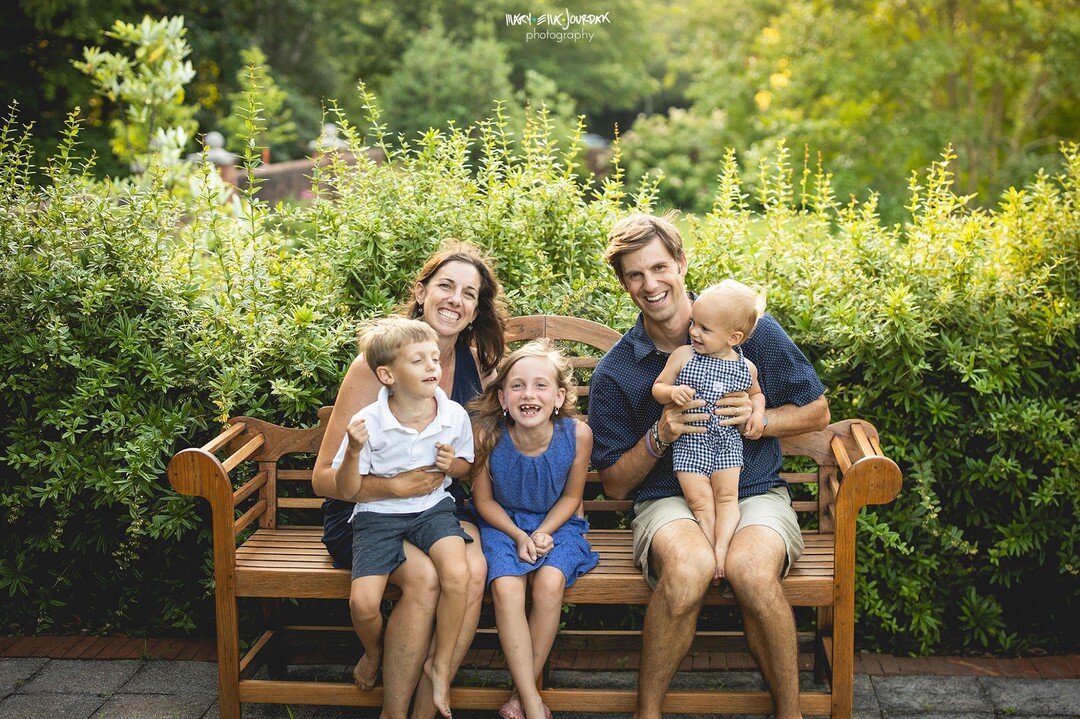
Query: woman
pixel 456 293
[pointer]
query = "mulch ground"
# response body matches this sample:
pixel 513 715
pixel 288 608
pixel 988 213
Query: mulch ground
pixel 121 647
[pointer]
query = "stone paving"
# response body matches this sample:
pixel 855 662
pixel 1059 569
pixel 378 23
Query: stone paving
pixel 32 688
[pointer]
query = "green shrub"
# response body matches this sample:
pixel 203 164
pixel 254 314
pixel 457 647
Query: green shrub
pixel 134 323
pixel 956 335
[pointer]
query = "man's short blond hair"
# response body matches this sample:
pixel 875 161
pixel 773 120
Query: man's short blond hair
pixel 382 340
pixel 742 305
pixel 632 233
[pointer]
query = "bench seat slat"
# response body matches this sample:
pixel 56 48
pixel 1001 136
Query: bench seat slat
pixel 292 562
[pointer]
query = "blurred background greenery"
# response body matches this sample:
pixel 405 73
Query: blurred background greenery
pixel 878 88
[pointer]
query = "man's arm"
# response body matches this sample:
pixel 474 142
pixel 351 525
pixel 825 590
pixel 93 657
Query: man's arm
pixel 623 477
pixel 790 419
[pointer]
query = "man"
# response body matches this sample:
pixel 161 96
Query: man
pixel 632 436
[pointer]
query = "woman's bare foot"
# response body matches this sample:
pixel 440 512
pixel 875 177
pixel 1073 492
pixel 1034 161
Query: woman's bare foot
pixel 366 671
pixel 440 688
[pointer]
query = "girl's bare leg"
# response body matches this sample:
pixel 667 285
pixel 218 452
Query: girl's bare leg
pixel 516 640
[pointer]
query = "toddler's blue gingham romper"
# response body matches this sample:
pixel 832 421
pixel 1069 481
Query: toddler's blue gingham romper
pixel 720 447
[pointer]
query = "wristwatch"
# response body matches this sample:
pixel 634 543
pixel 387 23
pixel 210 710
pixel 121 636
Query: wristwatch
pixel 661 445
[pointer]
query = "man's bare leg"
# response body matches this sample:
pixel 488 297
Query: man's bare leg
pixel 682 558
pixel 754 563
pixel 423 704
pixel 408 630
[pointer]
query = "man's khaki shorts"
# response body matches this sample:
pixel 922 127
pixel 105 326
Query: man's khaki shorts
pixel 772 510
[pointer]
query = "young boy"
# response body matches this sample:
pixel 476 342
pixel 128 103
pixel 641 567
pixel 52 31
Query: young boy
pixel 413 424
pixel 708 465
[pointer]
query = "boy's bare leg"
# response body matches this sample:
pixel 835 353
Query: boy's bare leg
pixel 699 497
pixel 365 603
pixel 448 555
pixel 423 706
pixel 408 632
pixel 725 490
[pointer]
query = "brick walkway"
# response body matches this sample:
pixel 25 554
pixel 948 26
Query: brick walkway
pixel 172 648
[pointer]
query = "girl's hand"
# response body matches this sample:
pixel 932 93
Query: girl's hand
pixel 358 434
pixel 682 394
pixel 444 456
pixel 754 426
pixel 543 542
pixel 526 548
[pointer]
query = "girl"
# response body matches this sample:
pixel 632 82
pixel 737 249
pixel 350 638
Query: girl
pixel 529 476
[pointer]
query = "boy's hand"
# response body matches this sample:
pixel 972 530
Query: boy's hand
pixel 682 394
pixel 358 434
pixel 526 548
pixel 543 542
pixel 754 426
pixel 444 456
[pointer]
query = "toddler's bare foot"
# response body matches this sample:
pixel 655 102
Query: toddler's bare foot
pixel 367 669
pixel 440 688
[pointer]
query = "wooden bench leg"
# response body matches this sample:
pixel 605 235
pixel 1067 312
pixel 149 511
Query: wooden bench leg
pixel 822 669
pixel 228 648
pixel 276 665
pixel 843 644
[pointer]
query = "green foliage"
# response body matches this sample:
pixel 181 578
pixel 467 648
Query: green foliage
pixel 256 79
pixel 136 322
pixel 149 86
pixel 956 335
pixel 877 88
pixel 441 82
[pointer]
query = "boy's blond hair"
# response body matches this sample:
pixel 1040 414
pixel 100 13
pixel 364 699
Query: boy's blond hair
pixel 743 305
pixel 381 340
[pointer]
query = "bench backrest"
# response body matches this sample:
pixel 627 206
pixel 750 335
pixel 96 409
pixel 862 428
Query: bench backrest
pixel 277 486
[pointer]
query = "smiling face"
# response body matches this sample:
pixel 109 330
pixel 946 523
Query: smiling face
pixel 655 281
pixel 531 392
pixel 711 330
pixel 449 299
pixel 415 371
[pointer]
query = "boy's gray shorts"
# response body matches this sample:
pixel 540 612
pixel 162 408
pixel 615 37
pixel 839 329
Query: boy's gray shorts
pixel 377 537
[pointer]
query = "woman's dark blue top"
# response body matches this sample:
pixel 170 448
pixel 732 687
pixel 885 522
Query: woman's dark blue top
pixel 337 532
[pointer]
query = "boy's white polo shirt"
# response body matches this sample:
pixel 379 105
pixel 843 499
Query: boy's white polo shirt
pixel 392 449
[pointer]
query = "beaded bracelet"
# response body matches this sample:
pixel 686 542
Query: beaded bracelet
pixel 649 443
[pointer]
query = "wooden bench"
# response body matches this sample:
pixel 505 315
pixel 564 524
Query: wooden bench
pixel 285 561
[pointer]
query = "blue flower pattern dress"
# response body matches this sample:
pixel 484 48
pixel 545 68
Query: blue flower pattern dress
pixel 527 487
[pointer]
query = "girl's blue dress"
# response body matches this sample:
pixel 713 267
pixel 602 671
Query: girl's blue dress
pixel 527 487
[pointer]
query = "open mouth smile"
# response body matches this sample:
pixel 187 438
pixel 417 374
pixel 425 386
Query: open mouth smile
pixel 529 410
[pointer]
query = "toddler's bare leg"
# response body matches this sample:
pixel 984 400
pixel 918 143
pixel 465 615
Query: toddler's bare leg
pixel 448 555
pixel 365 603
pixel 725 489
pixel 699 497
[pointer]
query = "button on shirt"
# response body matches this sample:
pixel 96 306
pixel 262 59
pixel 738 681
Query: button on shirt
pixel 622 408
pixel 392 449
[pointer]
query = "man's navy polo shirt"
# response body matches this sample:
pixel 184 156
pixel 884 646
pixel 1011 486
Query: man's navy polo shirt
pixel 622 408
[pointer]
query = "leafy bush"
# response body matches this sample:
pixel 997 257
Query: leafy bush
pixel 137 319
pixel 956 335
pixel 134 324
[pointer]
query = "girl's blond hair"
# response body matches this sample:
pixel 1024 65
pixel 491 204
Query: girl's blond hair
pixel 486 411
